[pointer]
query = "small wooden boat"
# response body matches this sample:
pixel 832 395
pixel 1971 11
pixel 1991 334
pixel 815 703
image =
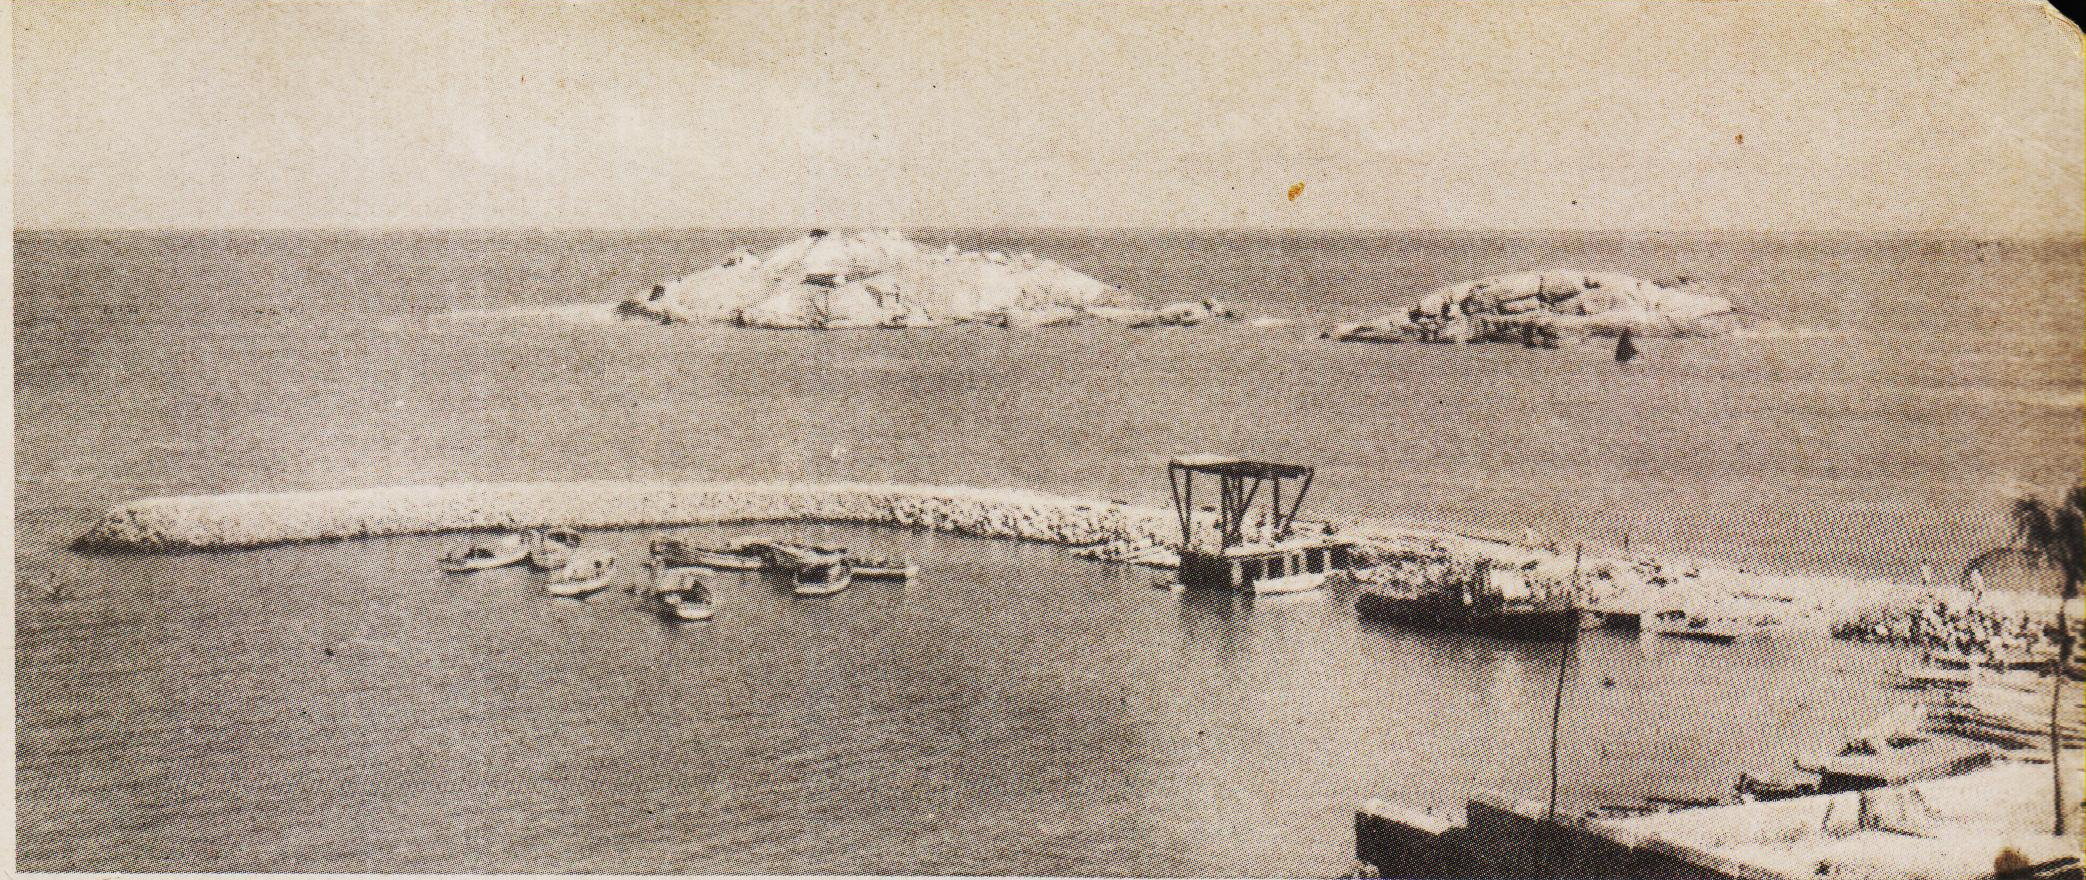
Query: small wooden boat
pixel 884 568
pixel 786 556
pixel 1986 660
pixel 822 578
pixel 584 573
pixel 676 553
pixel 1681 625
pixel 509 550
pixel 549 550
pixel 1300 582
pixel 1751 789
pixel 680 594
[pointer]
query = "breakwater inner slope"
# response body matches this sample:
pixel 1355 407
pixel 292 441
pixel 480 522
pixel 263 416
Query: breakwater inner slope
pixel 214 522
pixel 1103 530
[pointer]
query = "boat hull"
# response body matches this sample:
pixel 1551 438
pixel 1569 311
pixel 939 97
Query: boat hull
pixel 1296 583
pixel 790 557
pixel 710 559
pixel 1521 624
pixel 682 610
pixel 579 587
pixel 549 560
pixel 827 586
pixel 552 550
pixel 466 566
pixel 1714 636
pixel 1625 621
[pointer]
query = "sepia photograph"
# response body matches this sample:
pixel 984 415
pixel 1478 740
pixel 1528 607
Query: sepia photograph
pixel 1038 438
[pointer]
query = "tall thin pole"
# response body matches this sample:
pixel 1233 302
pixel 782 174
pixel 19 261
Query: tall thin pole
pixel 1564 663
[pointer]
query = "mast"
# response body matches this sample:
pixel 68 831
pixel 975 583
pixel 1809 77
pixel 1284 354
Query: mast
pixel 1564 664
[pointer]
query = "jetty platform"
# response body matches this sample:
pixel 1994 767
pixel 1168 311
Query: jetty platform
pixel 1989 823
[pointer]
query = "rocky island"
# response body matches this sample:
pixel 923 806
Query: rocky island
pixel 1541 308
pixel 883 279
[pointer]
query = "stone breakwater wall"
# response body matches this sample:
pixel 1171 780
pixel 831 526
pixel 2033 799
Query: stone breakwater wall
pixel 1104 530
pixel 216 522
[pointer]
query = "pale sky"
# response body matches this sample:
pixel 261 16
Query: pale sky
pixel 1954 115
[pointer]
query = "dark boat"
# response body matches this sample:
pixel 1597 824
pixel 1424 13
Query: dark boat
pixel 1431 592
pixel 1625 350
pixel 1533 622
pixel 1626 621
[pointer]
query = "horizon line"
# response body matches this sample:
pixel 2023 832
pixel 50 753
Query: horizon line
pixel 1930 234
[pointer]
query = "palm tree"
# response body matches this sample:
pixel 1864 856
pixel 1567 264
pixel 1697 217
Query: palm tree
pixel 2057 534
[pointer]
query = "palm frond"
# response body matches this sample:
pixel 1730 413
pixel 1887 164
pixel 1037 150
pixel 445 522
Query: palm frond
pixel 2033 527
pixel 2068 547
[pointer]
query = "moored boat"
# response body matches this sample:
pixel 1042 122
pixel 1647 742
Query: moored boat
pixel 508 550
pixel 1436 592
pixel 1682 625
pixel 676 553
pixel 788 556
pixel 1534 622
pixel 1617 615
pixel 883 568
pixel 551 549
pixel 1264 552
pixel 822 578
pixel 680 594
pixel 586 572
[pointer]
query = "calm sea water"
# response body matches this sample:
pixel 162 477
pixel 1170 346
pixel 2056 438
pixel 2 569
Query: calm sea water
pixel 1016 711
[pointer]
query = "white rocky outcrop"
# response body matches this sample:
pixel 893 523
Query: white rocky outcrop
pixel 883 279
pixel 1541 307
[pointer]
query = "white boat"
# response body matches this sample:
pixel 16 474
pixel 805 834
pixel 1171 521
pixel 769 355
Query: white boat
pixel 823 578
pixel 586 572
pixel 680 594
pixel 508 550
pixel 549 550
pixel 1682 625
pixel 1301 582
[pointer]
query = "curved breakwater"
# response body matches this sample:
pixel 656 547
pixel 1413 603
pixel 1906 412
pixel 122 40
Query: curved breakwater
pixel 217 522
pixel 1104 530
